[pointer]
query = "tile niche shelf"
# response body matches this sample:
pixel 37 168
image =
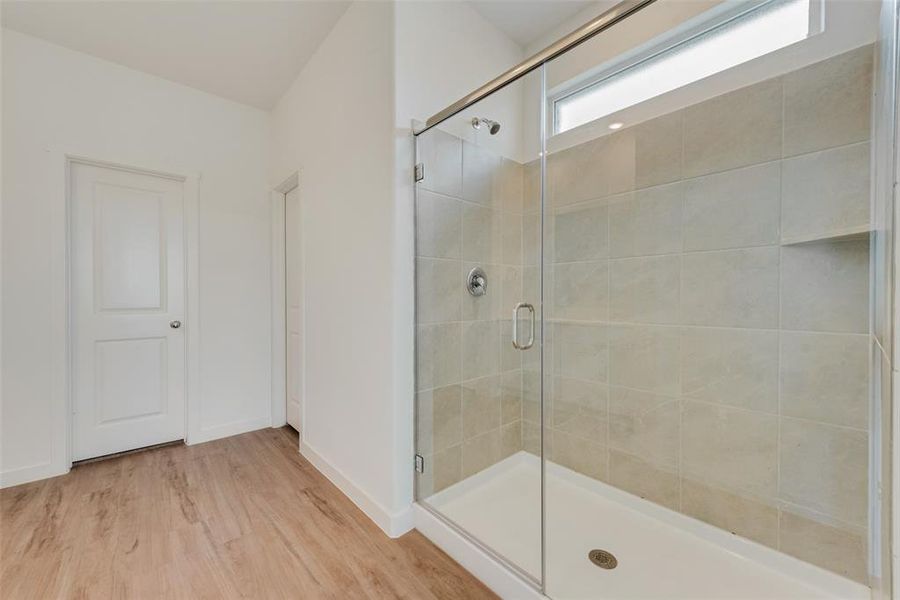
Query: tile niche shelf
pixel 846 234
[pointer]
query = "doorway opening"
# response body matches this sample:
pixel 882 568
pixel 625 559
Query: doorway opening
pixel 293 320
pixel 287 305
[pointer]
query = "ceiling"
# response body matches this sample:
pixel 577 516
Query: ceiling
pixel 526 21
pixel 247 51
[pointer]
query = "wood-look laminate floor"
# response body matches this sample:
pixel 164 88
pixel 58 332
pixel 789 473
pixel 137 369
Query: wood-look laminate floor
pixel 243 517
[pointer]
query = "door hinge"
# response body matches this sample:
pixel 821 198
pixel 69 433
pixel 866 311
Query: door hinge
pixel 420 464
pixel 420 172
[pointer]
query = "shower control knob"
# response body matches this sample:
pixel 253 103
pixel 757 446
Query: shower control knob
pixel 476 282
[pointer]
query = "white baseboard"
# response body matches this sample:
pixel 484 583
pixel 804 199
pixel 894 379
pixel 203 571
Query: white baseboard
pixel 227 430
pixel 394 524
pixel 473 558
pixel 29 474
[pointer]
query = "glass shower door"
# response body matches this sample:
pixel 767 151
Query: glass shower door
pixel 707 304
pixel 478 410
pixel 653 307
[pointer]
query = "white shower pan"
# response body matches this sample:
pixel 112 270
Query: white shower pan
pixel 661 554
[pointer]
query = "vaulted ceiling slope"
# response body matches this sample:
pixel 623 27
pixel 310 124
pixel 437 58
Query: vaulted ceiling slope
pixel 248 51
pixel 526 21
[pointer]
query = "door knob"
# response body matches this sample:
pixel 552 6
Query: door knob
pixel 174 324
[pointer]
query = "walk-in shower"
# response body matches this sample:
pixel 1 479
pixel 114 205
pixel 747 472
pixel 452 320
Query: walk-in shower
pixel 672 378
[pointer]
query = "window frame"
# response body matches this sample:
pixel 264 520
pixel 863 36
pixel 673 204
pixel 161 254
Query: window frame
pixel 705 23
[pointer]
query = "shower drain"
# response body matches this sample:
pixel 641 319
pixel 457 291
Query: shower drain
pixel 603 559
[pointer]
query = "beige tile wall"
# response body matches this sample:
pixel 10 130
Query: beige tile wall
pixel 883 312
pixel 697 356
pixel 469 378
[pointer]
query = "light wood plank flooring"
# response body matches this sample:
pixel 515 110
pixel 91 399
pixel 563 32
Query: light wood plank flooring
pixel 243 517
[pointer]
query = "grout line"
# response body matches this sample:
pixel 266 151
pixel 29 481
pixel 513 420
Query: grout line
pixel 818 516
pixel 663 254
pixel 635 324
pixel 778 396
pixel 607 365
pixel 680 457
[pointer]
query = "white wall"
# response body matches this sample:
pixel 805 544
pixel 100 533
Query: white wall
pixel 335 126
pixel 60 100
pixel 444 50
pixel 345 124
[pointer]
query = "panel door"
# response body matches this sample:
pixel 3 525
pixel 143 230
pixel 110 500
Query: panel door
pixel 127 281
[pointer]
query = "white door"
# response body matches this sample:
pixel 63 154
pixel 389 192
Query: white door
pixel 292 302
pixel 127 281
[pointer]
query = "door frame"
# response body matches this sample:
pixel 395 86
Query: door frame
pixel 279 308
pixel 62 319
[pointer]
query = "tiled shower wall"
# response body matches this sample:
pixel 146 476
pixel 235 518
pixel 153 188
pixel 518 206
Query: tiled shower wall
pixel 707 310
pixel 468 376
pixel 708 315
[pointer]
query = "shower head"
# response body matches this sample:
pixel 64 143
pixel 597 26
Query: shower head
pixel 493 126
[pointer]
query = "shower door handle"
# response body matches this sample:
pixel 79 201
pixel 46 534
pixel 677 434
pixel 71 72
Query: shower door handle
pixel 515 327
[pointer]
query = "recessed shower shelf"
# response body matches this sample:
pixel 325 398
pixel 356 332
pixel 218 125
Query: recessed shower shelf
pixel 848 234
